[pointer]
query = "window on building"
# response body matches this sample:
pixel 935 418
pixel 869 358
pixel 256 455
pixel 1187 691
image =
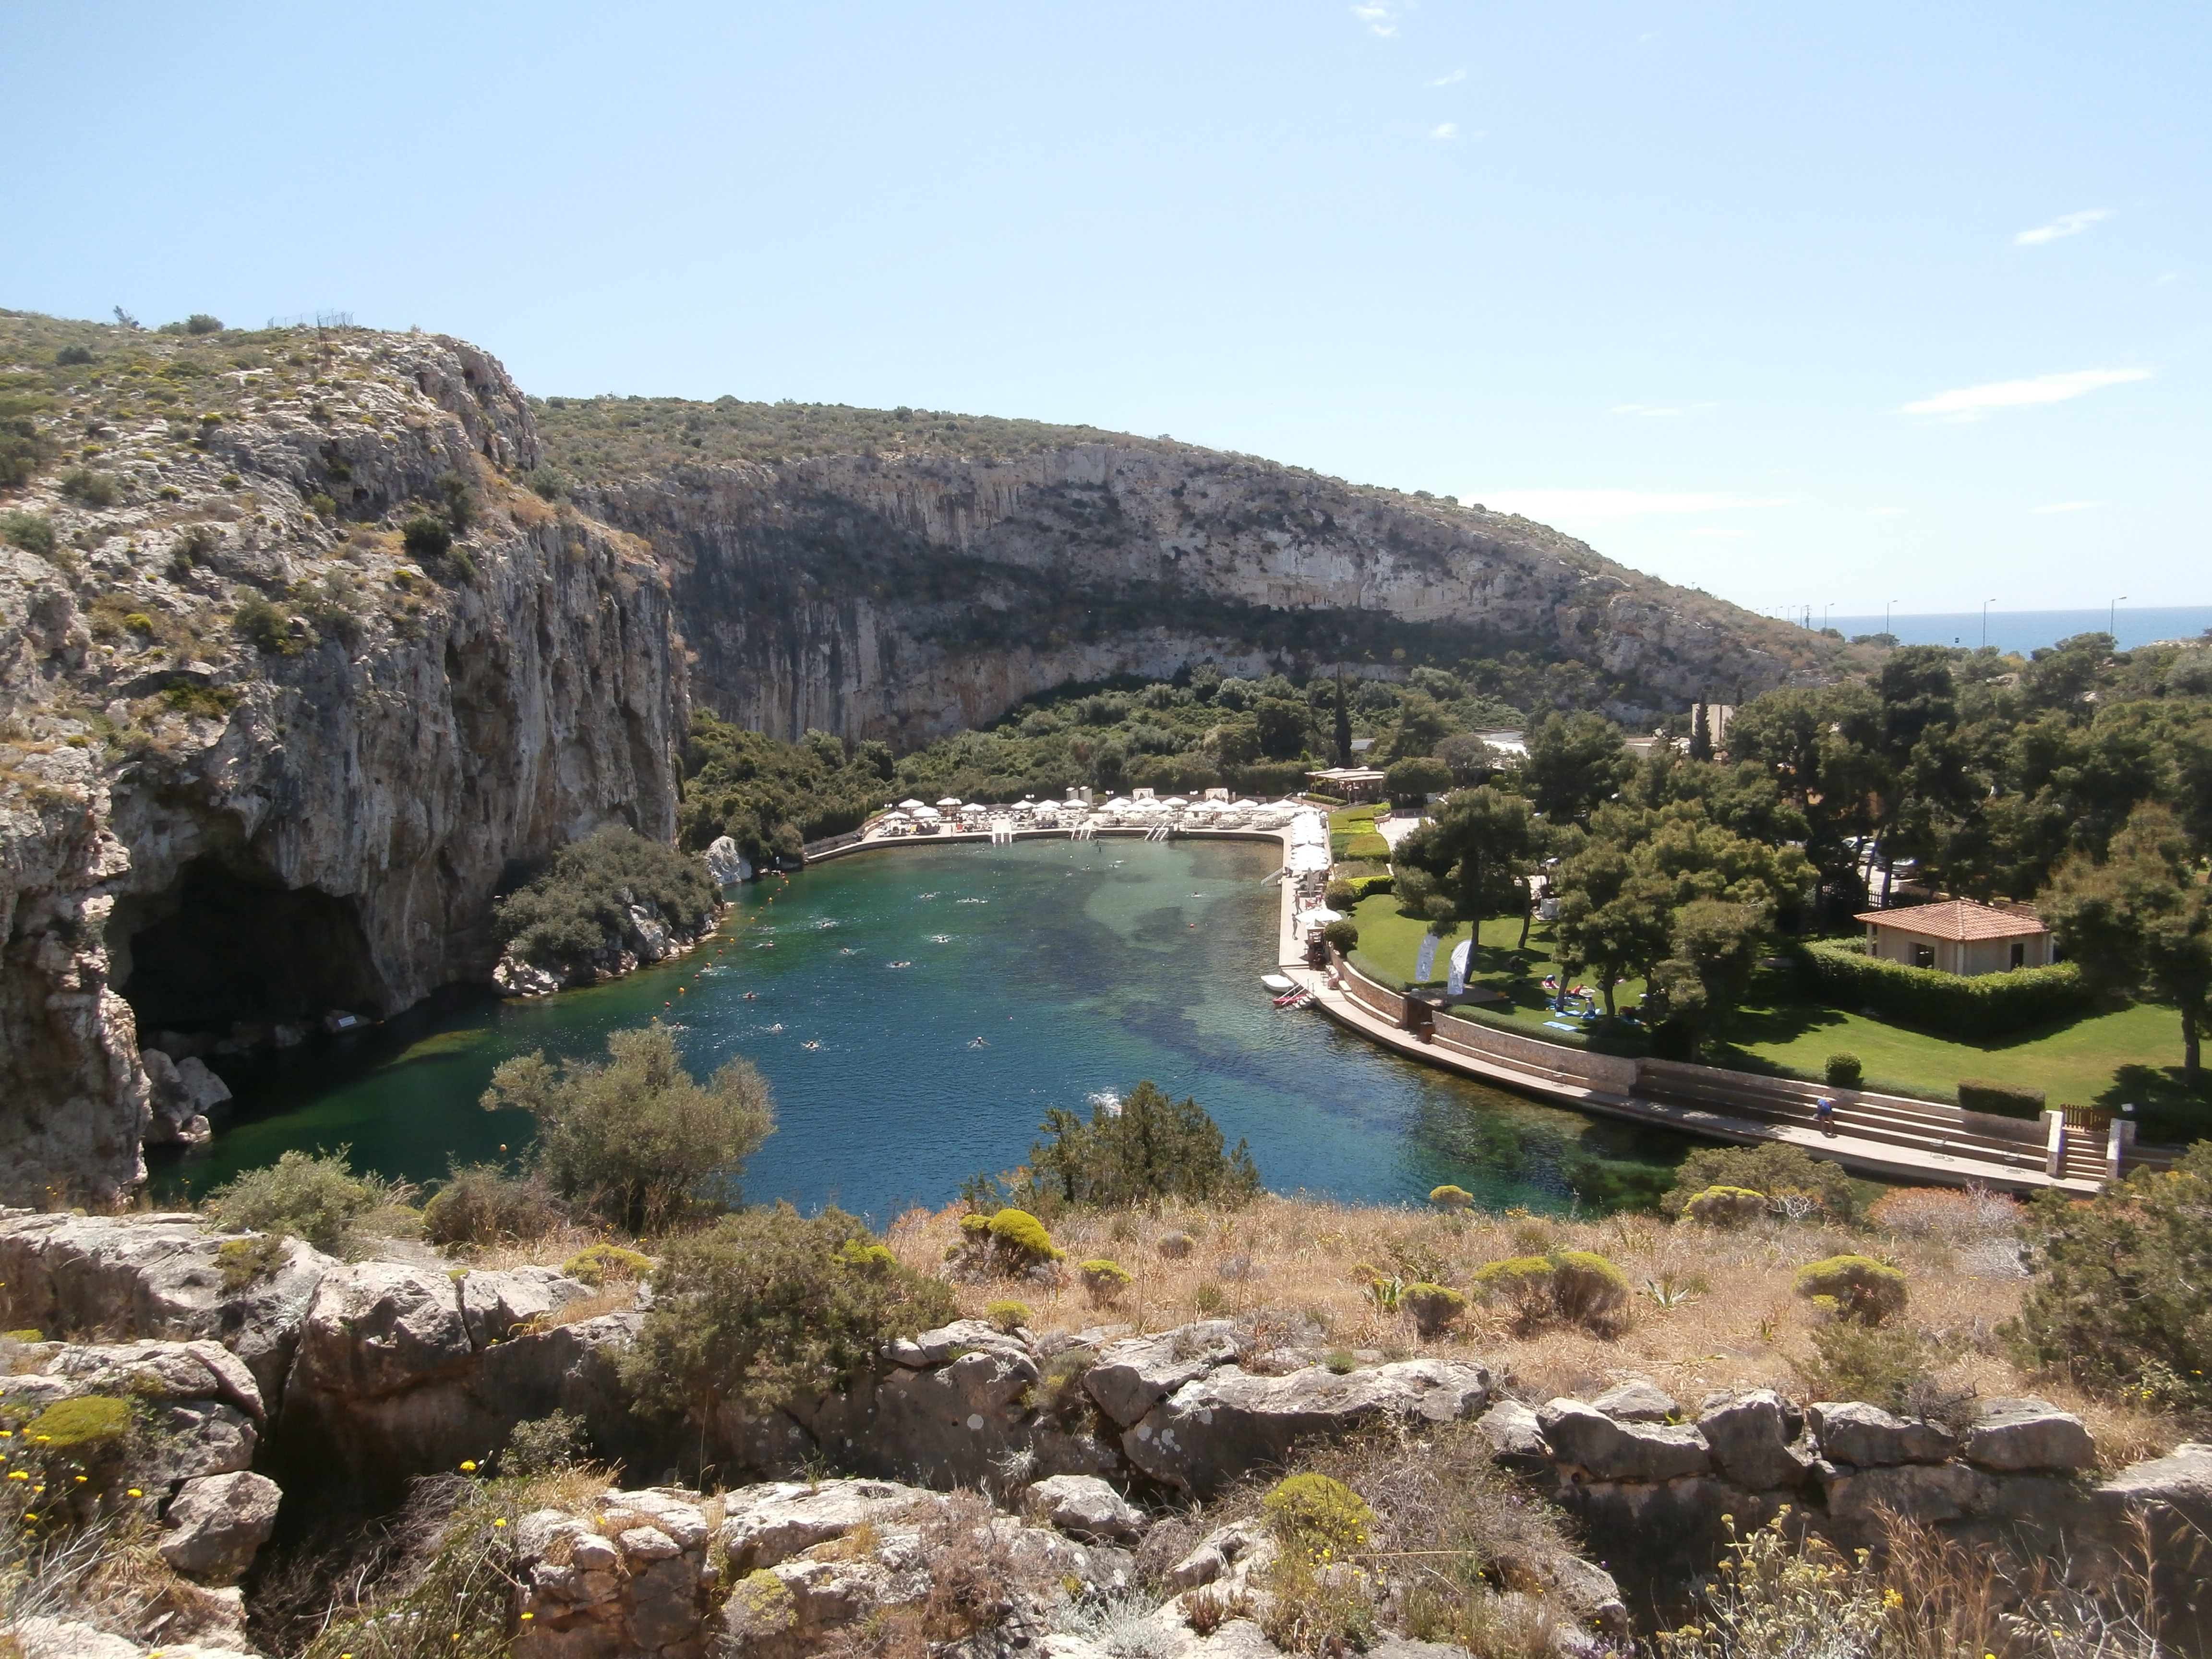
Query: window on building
pixel 2020 953
pixel 1924 956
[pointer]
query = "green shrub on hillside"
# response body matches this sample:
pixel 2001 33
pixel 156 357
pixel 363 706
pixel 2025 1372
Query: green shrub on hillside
pixel 2120 1292
pixel 1983 1005
pixel 1341 935
pixel 1843 1071
pixel 1774 1169
pixel 1018 1234
pixel 1434 1308
pixel 1872 1292
pixel 1103 1281
pixel 90 489
pixel 1153 1149
pixel 598 1264
pixel 762 1308
pixel 581 903
pixel 486 1203
pixel 1726 1206
pixel 1317 1517
pixel 304 1195
pixel 638 1141
pixel 32 532
pixel 1572 1288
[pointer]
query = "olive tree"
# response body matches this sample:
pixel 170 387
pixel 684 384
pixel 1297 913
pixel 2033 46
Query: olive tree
pixel 637 1141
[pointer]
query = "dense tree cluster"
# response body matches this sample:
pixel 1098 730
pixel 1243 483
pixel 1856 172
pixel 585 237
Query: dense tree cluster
pixel 771 797
pixel 580 901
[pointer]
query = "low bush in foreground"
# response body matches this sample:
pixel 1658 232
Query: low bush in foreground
pixel 768 1305
pixel 315 1197
pixel 1793 1182
pixel 638 1141
pixel 2122 1295
pixel 1567 1287
pixel 1860 1287
pixel 485 1204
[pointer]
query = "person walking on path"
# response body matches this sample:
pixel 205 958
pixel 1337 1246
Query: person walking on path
pixel 1824 1114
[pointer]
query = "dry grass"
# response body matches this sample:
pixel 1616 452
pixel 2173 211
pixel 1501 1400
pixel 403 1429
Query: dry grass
pixel 1296 1264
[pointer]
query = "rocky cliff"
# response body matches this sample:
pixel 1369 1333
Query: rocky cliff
pixel 265 760
pixel 907 593
pixel 304 649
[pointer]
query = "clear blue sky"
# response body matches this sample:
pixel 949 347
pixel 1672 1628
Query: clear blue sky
pixel 1802 304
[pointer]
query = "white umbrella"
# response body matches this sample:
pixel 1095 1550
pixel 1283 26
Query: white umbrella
pixel 1303 860
pixel 909 805
pixel 950 801
pixel 1320 916
pixel 1244 806
pixel 1175 800
pixel 1119 804
pixel 928 814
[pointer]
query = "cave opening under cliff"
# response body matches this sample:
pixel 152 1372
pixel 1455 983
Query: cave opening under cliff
pixel 218 947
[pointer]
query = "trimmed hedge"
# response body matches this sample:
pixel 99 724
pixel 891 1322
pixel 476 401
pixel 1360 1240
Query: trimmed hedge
pixel 1369 846
pixel 2000 1099
pixel 1987 1005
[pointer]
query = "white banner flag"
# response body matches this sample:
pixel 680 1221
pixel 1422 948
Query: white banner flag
pixel 1457 985
pixel 1424 964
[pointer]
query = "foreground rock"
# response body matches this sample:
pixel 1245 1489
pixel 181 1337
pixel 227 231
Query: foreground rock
pixel 159 1276
pixel 1218 1428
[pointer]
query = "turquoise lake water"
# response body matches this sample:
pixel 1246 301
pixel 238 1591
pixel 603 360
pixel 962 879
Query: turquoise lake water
pixel 954 992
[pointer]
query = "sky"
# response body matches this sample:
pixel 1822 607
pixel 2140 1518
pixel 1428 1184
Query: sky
pixel 1805 305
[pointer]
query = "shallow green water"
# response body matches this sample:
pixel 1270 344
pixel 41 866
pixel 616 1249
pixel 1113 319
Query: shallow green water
pixel 954 992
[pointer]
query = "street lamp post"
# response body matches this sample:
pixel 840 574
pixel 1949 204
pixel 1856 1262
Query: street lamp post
pixel 1986 603
pixel 2112 620
pixel 1888 605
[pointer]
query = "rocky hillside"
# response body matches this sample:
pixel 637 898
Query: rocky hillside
pixel 1132 1460
pixel 901 574
pixel 312 639
pixel 268 753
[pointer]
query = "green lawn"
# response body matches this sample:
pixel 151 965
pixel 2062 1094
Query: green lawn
pixel 1390 941
pixel 2130 1054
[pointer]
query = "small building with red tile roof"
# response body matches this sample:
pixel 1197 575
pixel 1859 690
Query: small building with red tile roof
pixel 1958 937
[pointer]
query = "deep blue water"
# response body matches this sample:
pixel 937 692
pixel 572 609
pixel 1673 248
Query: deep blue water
pixel 2030 630
pixel 1036 974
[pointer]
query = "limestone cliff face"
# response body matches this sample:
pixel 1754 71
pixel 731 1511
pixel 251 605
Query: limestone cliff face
pixel 906 596
pixel 224 814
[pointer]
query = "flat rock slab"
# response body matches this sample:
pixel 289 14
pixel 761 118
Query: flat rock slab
pixel 1866 1436
pixel 217 1525
pixel 1083 1506
pixel 1751 1434
pixel 1637 1400
pixel 1225 1425
pixel 764 1526
pixel 1132 1376
pixel 1606 1449
pixel 2013 1434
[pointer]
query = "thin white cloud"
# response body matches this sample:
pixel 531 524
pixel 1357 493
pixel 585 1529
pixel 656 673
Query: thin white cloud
pixel 1603 506
pixel 1885 512
pixel 2069 506
pixel 1444 130
pixel 2164 277
pixel 1380 15
pixel 2065 225
pixel 1659 411
pixel 1972 403
pixel 1453 79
